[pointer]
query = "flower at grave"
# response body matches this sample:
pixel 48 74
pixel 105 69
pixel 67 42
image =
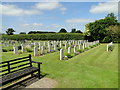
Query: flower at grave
pixel 51 50
pixel 77 53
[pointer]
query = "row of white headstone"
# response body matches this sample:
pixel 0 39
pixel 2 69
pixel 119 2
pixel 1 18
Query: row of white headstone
pixel 69 49
pixel 43 45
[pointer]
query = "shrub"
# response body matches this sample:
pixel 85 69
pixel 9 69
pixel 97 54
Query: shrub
pixel 10 49
pixel 29 50
pixel 59 49
pixel 110 48
pixel 69 55
pixel 49 36
pixel 4 50
pixel 91 46
pixel 19 47
pixel 86 48
pixel 80 51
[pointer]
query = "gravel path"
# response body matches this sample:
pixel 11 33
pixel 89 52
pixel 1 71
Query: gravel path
pixel 43 83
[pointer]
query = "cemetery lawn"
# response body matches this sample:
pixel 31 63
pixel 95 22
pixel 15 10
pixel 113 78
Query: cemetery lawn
pixel 95 68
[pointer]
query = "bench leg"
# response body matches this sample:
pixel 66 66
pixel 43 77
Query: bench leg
pixel 39 71
pixel 39 74
pixel 32 75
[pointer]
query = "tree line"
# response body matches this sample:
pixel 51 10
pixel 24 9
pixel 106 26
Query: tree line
pixel 10 31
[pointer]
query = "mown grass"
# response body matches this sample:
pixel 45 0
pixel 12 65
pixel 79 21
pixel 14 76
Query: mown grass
pixel 95 68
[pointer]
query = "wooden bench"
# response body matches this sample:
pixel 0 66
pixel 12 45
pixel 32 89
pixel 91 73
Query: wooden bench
pixel 15 69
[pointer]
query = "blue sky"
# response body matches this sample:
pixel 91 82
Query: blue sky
pixel 29 16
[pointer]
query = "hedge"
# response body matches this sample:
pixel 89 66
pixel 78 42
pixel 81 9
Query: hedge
pixel 50 36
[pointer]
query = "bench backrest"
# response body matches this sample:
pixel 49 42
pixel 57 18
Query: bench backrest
pixel 11 66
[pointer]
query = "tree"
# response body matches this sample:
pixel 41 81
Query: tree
pixel 10 31
pixel 22 32
pixel 78 31
pixel 97 30
pixel 113 32
pixel 62 30
pixel 73 30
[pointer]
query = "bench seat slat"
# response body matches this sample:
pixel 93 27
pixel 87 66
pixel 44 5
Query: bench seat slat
pixel 17 75
pixel 20 69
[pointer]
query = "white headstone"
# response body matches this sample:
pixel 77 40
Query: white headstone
pixel 75 49
pixel 22 48
pixel 83 46
pixel 60 44
pixel 55 47
pixel 61 54
pixel 79 46
pixel 35 51
pixel 15 49
pixel 69 49
pixel 42 50
pixel 49 48
pixel 39 45
pixel 65 45
pixel 107 47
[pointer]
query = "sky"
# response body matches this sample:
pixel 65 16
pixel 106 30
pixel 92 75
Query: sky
pixel 52 16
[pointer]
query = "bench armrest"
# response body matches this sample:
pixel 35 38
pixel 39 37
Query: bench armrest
pixel 37 62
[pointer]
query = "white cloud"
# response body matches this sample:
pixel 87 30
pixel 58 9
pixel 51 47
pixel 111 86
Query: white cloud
pixel 37 24
pixel 13 10
pixel 26 24
pixel 79 20
pixel 55 25
pixel 33 24
pixel 50 6
pixel 106 7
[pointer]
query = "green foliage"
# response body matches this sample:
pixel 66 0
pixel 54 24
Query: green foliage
pixel 73 30
pixel 107 39
pixel 65 58
pixel 22 32
pixel 62 30
pixel 59 48
pixel 69 55
pixel 39 32
pixel 91 46
pixel 110 48
pixel 50 36
pixel 29 50
pixel 19 47
pixel 10 31
pixel 78 31
pixel 80 50
pixel 4 50
pixel 98 30
pixel 113 32
pixel 87 48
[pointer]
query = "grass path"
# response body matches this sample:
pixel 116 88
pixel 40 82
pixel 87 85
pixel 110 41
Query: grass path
pixel 95 68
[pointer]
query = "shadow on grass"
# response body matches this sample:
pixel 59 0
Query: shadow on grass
pixel 25 82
